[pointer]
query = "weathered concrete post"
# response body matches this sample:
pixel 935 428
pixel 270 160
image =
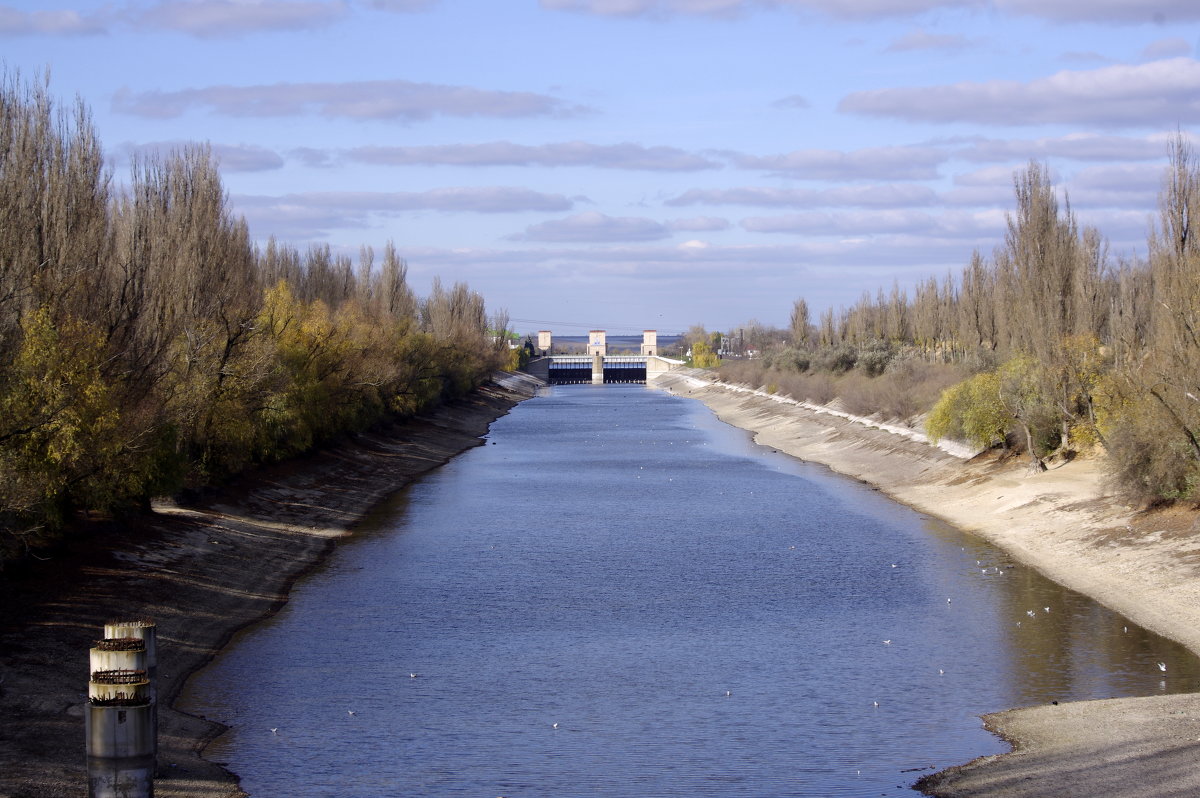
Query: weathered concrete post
pixel 120 723
pixel 597 369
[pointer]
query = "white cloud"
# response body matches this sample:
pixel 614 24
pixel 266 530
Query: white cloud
pixel 993 176
pixel 1152 11
pixel 368 99
pixel 883 196
pixel 1166 48
pixel 214 18
pixel 956 224
pixel 1160 93
pixel 845 9
pixel 592 226
pixel 231 157
pixel 1074 146
pixel 1116 186
pixel 403 6
pixel 571 153
pixel 871 163
pixel 14 21
pixel 921 39
pixel 794 101
pixel 698 224
pixel 312 214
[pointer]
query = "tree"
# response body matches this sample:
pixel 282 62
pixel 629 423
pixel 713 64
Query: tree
pixel 800 327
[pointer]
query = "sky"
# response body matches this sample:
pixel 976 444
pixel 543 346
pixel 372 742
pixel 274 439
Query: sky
pixel 640 164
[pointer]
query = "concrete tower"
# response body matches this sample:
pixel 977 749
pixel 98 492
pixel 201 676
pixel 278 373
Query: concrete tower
pixel 596 343
pixel 649 342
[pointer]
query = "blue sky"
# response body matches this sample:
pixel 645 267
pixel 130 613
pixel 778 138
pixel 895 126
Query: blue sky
pixel 633 164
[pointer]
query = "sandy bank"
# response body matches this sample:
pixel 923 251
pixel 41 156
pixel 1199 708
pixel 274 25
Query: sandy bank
pixel 1066 525
pixel 202 572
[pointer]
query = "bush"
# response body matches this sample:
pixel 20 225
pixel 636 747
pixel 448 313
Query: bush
pixel 874 358
pixel 1146 464
pixel 837 360
pixel 971 411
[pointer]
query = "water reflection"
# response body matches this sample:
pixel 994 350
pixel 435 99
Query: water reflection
pixel 699 615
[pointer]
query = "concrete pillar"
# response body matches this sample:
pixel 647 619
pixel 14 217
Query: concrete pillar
pixel 597 343
pixel 545 341
pixel 649 342
pixel 120 723
pixel 597 369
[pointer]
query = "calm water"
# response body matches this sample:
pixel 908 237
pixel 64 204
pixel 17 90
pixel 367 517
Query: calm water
pixel 698 615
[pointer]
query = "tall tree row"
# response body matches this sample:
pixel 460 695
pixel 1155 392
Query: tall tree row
pixel 147 345
pixel 1066 348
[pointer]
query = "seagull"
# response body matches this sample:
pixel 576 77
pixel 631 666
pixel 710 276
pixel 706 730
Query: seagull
pixel 349 711
pixel 1045 609
pixel 941 672
pixel 728 693
pixel 412 675
pixel 554 725
pixel 1162 666
pixel 947 601
pixel 1029 613
pixel 876 703
pixel 887 642
pixel 275 730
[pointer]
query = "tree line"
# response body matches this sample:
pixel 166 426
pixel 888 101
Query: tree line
pixel 1056 347
pixel 147 345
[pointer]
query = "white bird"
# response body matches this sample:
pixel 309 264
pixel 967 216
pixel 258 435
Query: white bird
pixel 876 703
pixel 1045 609
pixel 1162 666
pixel 941 672
pixel 554 725
pixel 349 711
pixel 887 642
pixel 412 675
pixel 947 601
pixel 275 730
pixel 1029 613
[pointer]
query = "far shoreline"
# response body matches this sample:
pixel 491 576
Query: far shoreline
pixel 1062 523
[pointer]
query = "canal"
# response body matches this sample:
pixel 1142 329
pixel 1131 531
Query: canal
pixel 620 595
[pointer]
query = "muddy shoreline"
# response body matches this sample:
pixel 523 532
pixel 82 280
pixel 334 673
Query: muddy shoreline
pixel 203 571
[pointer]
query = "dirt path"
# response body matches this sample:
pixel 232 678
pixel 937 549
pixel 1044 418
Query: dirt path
pixel 202 572
pixel 1066 525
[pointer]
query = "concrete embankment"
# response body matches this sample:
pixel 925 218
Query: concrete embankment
pixel 203 572
pixel 1065 524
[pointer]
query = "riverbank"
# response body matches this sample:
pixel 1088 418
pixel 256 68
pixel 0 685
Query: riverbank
pixel 1064 523
pixel 203 572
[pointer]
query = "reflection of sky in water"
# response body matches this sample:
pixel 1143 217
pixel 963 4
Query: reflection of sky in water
pixel 700 615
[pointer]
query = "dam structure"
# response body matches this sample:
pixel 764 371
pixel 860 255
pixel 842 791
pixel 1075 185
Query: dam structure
pixel 596 366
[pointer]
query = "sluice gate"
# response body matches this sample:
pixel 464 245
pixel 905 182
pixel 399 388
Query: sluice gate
pixel 570 370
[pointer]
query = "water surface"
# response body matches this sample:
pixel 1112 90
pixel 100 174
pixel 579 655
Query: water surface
pixel 622 596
